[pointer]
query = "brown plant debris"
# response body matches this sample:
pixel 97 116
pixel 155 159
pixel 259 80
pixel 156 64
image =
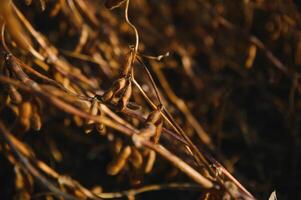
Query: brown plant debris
pixel 135 98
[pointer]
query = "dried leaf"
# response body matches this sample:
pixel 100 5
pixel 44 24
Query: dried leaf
pixel 273 196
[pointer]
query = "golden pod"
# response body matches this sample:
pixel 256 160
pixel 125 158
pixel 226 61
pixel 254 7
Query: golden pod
pixel 90 123
pixel 97 189
pixel 74 88
pixel 107 95
pixel 59 78
pixel 118 86
pixel 36 121
pixel 19 179
pixel 117 165
pixel 128 65
pixel 136 158
pixel 84 105
pixel 117 146
pixel 148 131
pixel 158 131
pixel 66 83
pixel 251 56
pixel 150 161
pixel 25 114
pixel 78 193
pixel 23 184
pixel 126 96
pixel 94 108
pixel 100 128
pixel 78 121
pixel 154 116
pixel 14 95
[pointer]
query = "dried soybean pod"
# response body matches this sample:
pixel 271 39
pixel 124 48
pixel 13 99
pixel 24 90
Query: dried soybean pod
pixel 136 158
pixel 116 165
pixel 125 97
pixel 148 131
pixel 155 118
pixel 78 121
pixel 251 56
pixel 159 127
pixel 117 87
pixel 99 126
pixel 83 39
pixel 90 123
pixel 150 161
pixel 107 95
pixel 60 78
pixel 25 114
pixel 23 184
pixel 118 143
pixel 128 65
pixel 15 96
pixel 35 120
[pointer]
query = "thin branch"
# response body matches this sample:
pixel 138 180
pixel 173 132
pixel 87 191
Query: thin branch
pixel 149 188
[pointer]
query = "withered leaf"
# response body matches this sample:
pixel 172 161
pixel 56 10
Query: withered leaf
pixel 273 196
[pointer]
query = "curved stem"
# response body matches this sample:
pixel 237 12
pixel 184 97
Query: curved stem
pixel 133 27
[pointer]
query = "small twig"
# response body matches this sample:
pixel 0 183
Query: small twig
pixel 149 188
pixel 132 26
